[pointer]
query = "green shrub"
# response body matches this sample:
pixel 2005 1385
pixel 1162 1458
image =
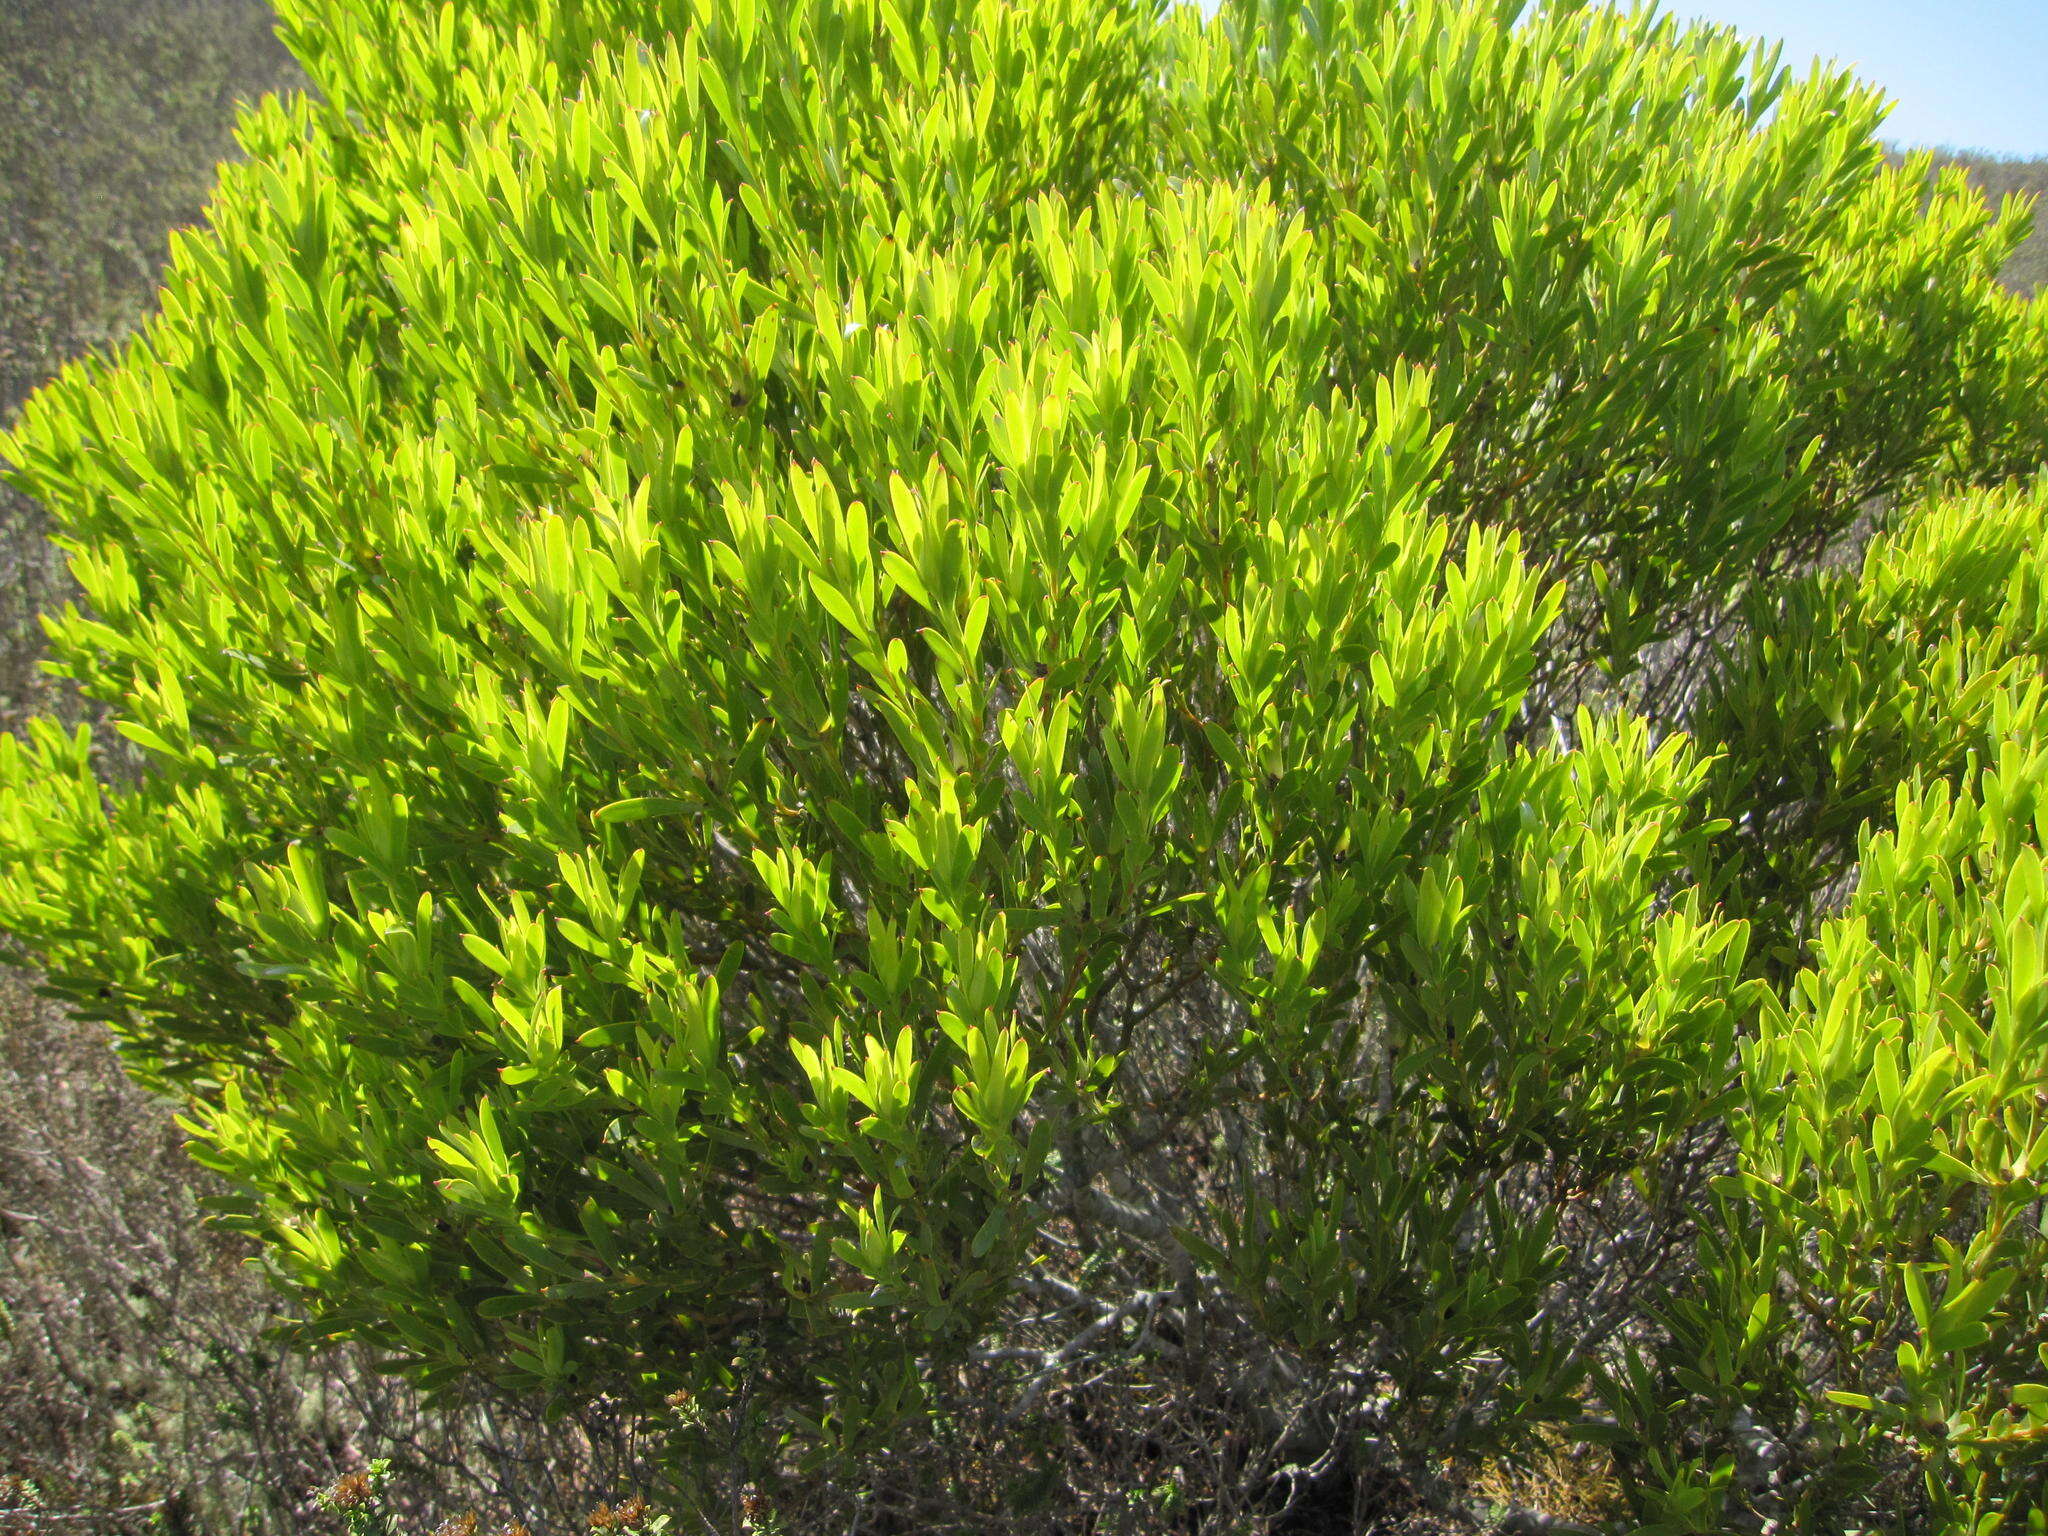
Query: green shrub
pixel 825 683
pixel 1868 1310
pixel 1997 177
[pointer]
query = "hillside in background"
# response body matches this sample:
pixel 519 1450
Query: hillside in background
pixel 114 120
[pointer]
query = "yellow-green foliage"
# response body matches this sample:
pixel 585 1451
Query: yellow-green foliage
pixel 1871 1286
pixel 797 657
pixel 1852 680
pixel 1997 177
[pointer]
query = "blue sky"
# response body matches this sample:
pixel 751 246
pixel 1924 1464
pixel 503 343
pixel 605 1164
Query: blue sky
pixel 1968 74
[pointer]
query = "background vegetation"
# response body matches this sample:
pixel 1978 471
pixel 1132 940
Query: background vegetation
pixel 133 1384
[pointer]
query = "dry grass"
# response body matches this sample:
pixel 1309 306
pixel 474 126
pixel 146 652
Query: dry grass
pixel 131 1376
pixel 1567 1480
pixel 137 1392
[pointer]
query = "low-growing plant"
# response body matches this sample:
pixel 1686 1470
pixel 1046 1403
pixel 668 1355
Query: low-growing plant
pixel 883 706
